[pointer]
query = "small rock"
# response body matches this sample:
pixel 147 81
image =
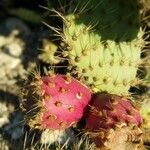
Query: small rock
pixel 60 136
pixel 4 113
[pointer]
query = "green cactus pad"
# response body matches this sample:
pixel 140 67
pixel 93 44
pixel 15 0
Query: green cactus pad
pixel 104 49
pixel 145 112
pixel 112 19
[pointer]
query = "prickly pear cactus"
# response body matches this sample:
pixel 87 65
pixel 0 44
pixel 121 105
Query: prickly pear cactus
pixel 104 43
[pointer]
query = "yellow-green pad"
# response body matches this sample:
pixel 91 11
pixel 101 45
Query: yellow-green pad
pixel 106 60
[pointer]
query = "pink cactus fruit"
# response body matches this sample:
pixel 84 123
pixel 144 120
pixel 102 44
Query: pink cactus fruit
pixel 57 101
pixel 114 123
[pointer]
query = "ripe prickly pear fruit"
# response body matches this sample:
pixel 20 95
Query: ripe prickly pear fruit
pixel 114 123
pixel 104 42
pixel 55 102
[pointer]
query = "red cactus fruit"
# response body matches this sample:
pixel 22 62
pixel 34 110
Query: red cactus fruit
pixel 55 102
pixel 114 123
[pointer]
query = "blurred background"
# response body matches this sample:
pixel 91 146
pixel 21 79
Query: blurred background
pixel 22 38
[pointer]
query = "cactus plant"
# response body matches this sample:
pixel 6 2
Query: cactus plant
pixel 114 123
pixel 103 42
